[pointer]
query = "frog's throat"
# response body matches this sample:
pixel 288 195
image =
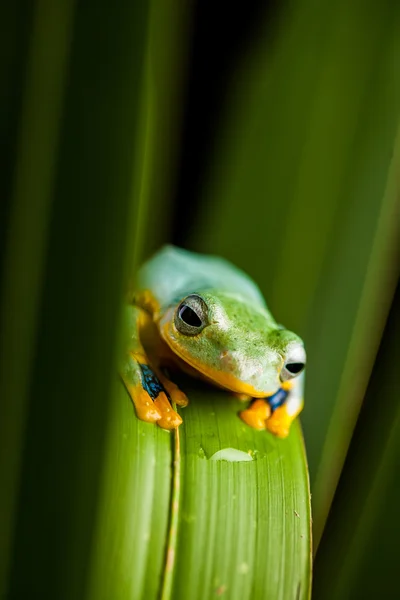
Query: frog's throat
pixel 223 380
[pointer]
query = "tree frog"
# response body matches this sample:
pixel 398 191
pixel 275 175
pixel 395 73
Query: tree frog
pixel 203 315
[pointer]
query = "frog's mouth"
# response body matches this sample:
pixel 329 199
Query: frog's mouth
pixel 224 380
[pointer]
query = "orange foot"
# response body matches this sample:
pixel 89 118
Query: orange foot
pixel 177 396
pixel 145 409
pixel 257 414
pixel 160 411
pixel 169 418
pixel 279 423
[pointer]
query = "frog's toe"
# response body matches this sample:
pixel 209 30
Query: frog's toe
pixel 257 414
pixel 149 414
pixel 144 405
pixel 279 423
pixel 169 418
pixel 177 396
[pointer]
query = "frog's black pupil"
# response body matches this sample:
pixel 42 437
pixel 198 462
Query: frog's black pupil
pixel 294 368
pixel 189 317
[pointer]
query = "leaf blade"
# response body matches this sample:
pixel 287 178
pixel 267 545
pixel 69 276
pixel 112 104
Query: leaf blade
pixel 260 507
pixel 127 556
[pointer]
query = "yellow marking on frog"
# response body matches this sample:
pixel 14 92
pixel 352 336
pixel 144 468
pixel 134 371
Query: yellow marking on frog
pixel 257 414
pixel 287 385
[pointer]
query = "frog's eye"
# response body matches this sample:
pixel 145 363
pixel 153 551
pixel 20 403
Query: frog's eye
pixel 192 315
pixel 295 362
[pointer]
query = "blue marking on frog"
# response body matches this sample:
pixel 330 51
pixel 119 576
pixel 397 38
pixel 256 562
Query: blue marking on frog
pixel 150 382
pixel 277 399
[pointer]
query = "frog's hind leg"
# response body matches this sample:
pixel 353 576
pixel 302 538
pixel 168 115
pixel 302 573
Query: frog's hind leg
pixel 144 387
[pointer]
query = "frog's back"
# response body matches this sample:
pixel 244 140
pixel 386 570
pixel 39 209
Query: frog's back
pixel 173 272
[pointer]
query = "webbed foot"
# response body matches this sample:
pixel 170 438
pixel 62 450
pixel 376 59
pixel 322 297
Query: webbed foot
pixel 279 422
pixel 177 396
pixel 257 414
pixel 169 418
pixel 145 408
pixel 148 394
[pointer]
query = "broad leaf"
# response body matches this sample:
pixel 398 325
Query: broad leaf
pixel 236 500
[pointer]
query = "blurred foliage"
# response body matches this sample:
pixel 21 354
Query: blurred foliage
pixel 301 192
pixel 358 554
pixel 160 118
pixel 64 270
pixel 272 140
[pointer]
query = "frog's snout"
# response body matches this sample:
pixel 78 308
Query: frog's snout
pixel 260 373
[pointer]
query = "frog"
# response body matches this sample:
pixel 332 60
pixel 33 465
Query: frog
pixel 200 314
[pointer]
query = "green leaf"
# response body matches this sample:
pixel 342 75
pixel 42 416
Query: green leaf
pixel 134 500
pixel 239 501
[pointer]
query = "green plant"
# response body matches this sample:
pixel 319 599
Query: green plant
pixel 303 166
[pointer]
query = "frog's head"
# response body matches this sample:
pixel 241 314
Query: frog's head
pixel 231 342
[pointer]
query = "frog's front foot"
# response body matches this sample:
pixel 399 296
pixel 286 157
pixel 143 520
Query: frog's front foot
pixel 257 414
pixel 144 405
pixel 273 413
pixel 169 419
pixel 177 396
pixel 279 422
